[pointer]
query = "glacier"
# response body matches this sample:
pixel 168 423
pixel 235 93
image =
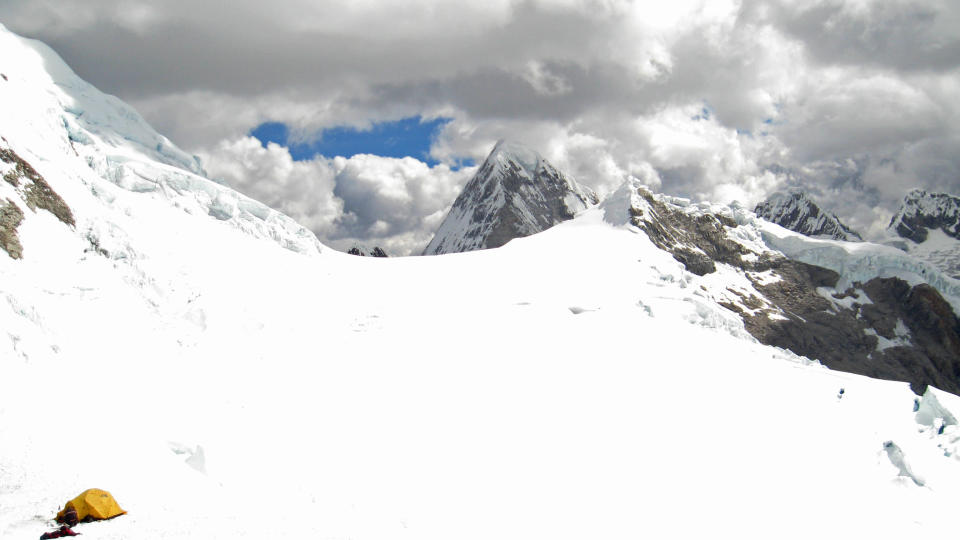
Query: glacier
pixel 191 351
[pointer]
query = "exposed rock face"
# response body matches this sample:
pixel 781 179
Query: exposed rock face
pixel 10 218
pixel 797 212
pixel 922 211
pixel 697 241
pixel 883 328
pixel 34 192
pixel 515 193
pixel 363 252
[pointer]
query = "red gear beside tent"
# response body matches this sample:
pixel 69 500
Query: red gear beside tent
pixel 59 533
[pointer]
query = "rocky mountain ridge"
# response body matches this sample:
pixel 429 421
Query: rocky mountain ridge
pixel 922 211
pixel 795 210
pixel 515 193
pixel 927 226
pixel 863 316
pixel 882 327
pixel 375 251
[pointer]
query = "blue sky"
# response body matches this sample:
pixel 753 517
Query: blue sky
pixel 401 138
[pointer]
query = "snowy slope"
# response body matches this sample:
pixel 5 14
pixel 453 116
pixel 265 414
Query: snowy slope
pixel 576 383
pixel 796 211
pixel 856 307
pixel 95 150
pixel 930 225
pixel 387 410
pixel 515 193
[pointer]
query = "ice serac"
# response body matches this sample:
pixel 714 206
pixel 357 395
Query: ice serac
pixel 866 309
pixel 515 193
pixel 796 211
pixel 928 227
pixel 64 146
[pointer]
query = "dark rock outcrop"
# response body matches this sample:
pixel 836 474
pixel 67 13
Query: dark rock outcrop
pixel 890 331
pixel 36 192
pixel 10 218
pixel 362 252
pixel 697 241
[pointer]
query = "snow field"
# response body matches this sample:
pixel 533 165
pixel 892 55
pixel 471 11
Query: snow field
pixel 444 396
pixel 576 383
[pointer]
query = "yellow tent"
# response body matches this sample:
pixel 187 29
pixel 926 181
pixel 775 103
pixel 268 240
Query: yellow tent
pixel 93 504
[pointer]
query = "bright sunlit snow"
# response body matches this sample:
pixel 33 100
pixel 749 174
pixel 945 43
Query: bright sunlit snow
pixel 223 376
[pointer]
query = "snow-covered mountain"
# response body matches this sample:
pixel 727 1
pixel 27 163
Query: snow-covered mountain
pixel 55 123
pixel 861 308
pixel 922 212
pixel 187 349
pixel 930 222
pixel 515 193
pixel 361 251
pixel 795 210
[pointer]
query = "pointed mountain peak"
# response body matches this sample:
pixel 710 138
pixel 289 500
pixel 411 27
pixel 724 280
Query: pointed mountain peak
pixel 922 211
pixel 514 193
pixel 795 210
pixel 511 152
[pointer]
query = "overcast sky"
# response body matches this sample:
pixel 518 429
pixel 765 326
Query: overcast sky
pixel 856 101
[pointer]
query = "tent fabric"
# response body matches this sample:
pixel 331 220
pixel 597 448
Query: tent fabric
pixel 93 504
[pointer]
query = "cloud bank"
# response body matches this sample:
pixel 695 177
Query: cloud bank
pixel 853 100
pixel 394 203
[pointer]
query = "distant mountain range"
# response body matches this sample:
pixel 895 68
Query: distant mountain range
pixel 927 225
pixel 877 322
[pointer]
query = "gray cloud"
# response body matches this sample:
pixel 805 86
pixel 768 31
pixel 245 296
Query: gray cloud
pixel 389 202
pixel 854 100
pixel 905 35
